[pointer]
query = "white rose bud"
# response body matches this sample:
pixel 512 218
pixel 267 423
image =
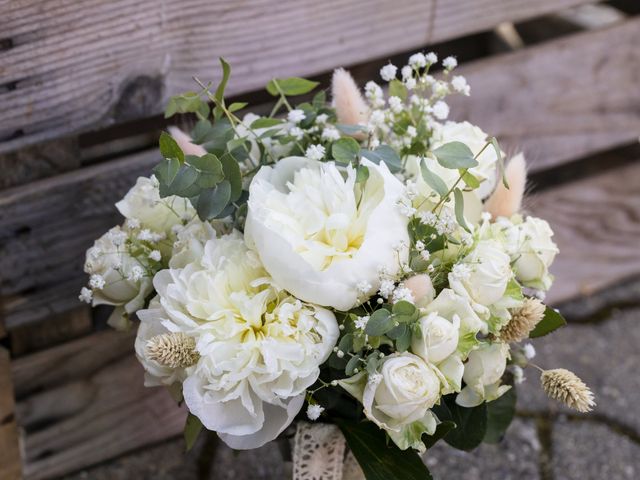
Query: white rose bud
pixel 536 253
pixel 436 338
pixel 482 373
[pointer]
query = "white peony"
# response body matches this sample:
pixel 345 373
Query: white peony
pixel 260 348
pixel 151 325
pixel 320 235
pixel 398 398
pixel 483 276
pixel 482 374
pixel 143 204
pixel 117 278
pixel 190 241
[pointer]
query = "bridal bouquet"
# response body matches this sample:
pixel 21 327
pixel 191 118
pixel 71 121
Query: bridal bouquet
pixel 363 263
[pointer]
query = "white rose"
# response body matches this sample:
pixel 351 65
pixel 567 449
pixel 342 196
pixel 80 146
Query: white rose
pixel 399 397
pixel 143 204
pixel 320 235
pixel 436 338
pixel 482 276
pixel 260 348
pixel 535 254
pixel 117 278
pixel 482 373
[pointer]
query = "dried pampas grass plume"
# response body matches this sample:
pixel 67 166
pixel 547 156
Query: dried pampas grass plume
pixel 174 350
pixel 523 321
pixel 185 143
pixel 505 202
pixel 351 109
pixel 566 387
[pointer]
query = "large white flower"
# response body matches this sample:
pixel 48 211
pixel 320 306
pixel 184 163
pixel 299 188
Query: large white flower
pixel 482 374
pixel 535 253
pixel 117 278
pixel 143 204
pixel 259 347
pixel 323 237
pixel 398 398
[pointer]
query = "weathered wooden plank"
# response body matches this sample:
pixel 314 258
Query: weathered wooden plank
pixel 69 66
pixel 597 225
pixel 561 100
pixel 51 331
pixel 85 402
pixel 44 229
pixel 10 462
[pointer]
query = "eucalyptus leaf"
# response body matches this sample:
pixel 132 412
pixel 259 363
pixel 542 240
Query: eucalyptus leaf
pixel 319 100
pixel 551 321
pixel 167 170
pixel 380 322
pixel 192 428
pixel 351 129
pixel 212 201
pixel 455 155
pixel 265 122
pixel 459 208
pixel 235 106
pixel 290 86
pixel 169 148
pixel 184 179
pixel 404 341
pixel 345 150
pixel 231 170
pixel 386 154
pixel 403 308
pixel 380 459
pixel 362 174
pixel 346 343
pixel 226 73
pixel 433 180
pixel 352 364
pixel 209 169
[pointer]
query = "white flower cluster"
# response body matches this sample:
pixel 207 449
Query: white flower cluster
pixel 371 263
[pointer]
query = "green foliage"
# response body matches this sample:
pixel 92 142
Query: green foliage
pixel 345 150
pixel 500 413
pixel 551 321
pixel 470 180
pixel 471 423
pixel 169 147
pixel 386 154
pixel 212 201
pixel 455 155
pixel 362 174
pixel 379 323
pixel 290 86
pixel 442 430
pixel 192 429
pixel 433 180
pixel 459 208
pixel 380 459
pixel 265 122
pixel 397 89
pixel 188 102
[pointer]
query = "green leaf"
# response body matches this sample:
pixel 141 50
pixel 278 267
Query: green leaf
pixel 397 89
pixel 167 170
pixel 471 423
pixel 386 154
pixel 209 169
pixel 551 321
pixel 319 100
pixel 226 73
pixel 455 155
pixel 184 179
pixel 404 341
pixel 379 459
pixel 362 174
pixel 290 86
pixel 346 343
pixel 352 364
pixel 470 180
pixel 496 147
pixel 192 429
pixel 232 173
pixel 351 129
pixel 379 323
pixel 459 208
pixel 235 106
pixel 404 308
pixel 265 122
pixel 433 180
pixel 397 332
pixel 441 431
pixel 345 150
pixel 500 413
pixel 169 147
pixel 188 102
pixel 212 201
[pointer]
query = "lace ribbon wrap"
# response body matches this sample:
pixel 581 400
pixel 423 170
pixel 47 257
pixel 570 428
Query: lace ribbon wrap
pixel 320 453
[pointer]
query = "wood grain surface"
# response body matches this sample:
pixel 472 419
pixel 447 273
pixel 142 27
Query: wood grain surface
pixel 10 462
pixel 70 65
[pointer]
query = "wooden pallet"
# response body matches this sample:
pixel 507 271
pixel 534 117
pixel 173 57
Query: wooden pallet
pixel 83 83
